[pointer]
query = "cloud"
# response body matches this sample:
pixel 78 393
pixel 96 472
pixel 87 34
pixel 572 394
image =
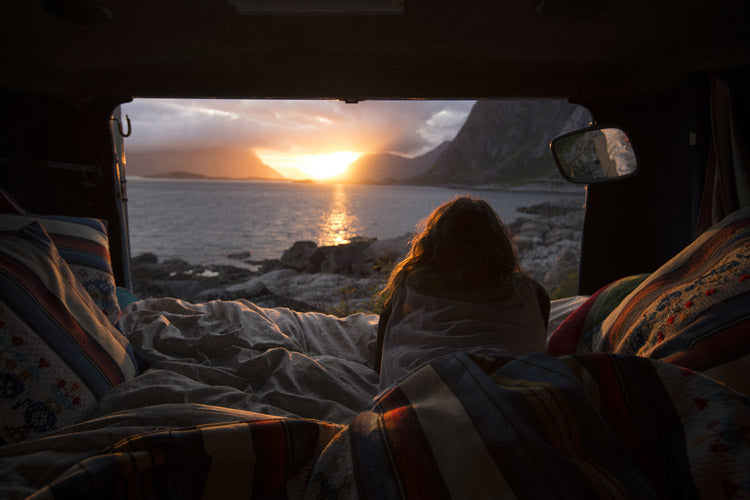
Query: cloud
pixel 443 125
pixel 407 127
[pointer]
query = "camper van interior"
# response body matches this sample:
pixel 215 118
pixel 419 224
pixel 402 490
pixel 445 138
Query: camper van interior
pixel 642 390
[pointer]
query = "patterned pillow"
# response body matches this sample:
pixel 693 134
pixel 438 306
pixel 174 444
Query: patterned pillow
pixel 58 353
pixel 84 245
pixel 694 311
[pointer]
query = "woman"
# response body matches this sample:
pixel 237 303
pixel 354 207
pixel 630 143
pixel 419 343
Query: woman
pixel 459 289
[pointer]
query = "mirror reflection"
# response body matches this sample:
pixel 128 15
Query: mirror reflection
pixel 594 155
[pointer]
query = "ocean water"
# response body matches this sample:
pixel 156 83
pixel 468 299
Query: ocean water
pixel 202 221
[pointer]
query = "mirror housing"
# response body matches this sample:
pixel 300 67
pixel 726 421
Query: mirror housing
pixel 594 155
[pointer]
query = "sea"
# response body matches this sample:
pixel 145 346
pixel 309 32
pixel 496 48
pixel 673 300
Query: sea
pixel 204 221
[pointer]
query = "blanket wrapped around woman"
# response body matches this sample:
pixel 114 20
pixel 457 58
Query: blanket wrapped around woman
pixel 416 328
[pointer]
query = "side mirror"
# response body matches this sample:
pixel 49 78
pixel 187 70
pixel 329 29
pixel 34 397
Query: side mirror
pixel 594 154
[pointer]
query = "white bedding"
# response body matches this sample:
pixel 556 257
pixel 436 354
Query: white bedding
pixel 238 355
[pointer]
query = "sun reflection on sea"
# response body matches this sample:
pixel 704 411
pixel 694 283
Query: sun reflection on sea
pixel 338 224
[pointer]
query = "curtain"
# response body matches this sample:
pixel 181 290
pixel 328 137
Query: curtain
pixel 727 186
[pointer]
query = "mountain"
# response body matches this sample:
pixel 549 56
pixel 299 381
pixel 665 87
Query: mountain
pixel 210 162
pixel 386 166
pixel 506 142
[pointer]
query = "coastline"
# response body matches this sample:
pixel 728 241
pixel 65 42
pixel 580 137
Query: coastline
pixel 550 188
pixel 525 188
pixel 343 279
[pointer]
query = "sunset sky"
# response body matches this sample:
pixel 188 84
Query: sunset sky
pixel 300 139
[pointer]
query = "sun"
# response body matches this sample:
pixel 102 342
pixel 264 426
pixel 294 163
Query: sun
pixel 328 165
pixel 308 166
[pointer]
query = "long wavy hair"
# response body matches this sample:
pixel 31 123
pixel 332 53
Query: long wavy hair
pixel 462 246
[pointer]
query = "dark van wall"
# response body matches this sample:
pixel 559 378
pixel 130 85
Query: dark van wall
pixel 636 225
pixel 56 157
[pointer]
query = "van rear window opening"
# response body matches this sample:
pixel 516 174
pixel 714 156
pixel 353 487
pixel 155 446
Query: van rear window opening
pixel 309 204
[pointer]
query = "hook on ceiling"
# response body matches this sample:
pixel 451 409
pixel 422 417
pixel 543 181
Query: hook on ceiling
pixel 119 126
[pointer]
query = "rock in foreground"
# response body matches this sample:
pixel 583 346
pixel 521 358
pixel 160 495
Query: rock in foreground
pixel 335 279
pixel 549 244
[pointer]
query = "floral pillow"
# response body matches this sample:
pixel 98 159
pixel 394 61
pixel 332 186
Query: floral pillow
pixel 84 244
pixel 58 352
pixel 694 311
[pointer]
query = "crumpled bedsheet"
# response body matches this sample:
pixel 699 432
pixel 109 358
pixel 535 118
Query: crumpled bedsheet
pixel 238 355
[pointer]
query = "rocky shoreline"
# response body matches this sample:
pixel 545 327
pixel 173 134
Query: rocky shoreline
pixel 549 244
pixel 346 278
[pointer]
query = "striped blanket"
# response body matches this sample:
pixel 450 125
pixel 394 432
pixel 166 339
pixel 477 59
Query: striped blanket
pixel 535 426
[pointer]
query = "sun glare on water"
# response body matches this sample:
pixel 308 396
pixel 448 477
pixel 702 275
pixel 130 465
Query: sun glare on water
pixel 308 166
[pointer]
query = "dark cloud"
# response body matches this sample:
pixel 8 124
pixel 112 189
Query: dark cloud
pixel 406 127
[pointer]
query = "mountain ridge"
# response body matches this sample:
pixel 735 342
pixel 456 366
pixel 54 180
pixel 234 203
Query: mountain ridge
pixel 500 144
pixel 384 167
pixel 503 143
pixel 213 162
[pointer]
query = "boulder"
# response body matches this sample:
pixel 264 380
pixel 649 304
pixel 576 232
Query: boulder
pixel 567 260
pixel 269 265
pixel 558 235
pixel 177 278
pixel 527 241
pixel 240 255
pixel 325 291
pixel 278 275
pixel 144 259
pixel 346 259
pixel 389 248
pixel 553 208
pixel 533 226
pixel 298 256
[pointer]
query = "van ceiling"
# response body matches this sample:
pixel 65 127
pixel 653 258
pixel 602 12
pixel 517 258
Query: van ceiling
pixel 436 48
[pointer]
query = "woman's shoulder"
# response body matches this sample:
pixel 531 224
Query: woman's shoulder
pixel 516 285
pixel 520 276
pixel 523 280
pixel 526 285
